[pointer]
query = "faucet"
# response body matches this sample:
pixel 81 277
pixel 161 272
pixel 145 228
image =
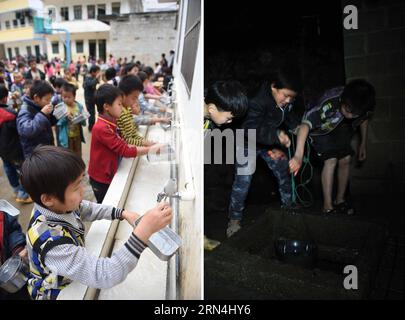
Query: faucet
pixel 169 191
pixel 166 126
pixel 169 86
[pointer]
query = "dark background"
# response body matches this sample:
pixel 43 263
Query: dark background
pixel 246 41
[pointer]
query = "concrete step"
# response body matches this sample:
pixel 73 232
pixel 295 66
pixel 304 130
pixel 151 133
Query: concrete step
pixel 247 262
pixel 234 274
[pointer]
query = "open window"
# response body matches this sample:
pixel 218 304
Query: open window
pixel 191 39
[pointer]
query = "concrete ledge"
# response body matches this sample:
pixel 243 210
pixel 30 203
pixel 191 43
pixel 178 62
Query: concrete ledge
pixel 148 280
pixel 100 238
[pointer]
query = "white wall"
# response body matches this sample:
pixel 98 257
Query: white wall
pixel 191 214
pixel 146 36
pixel 37 5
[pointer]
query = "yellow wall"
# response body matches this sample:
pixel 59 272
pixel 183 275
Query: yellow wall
pixel 16 34
pixel 12 5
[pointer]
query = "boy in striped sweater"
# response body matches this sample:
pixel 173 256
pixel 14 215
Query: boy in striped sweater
pixel 131 86
pixel 55 236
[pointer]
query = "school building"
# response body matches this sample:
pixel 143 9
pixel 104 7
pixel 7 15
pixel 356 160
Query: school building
pixel 102 27
pixel 17 36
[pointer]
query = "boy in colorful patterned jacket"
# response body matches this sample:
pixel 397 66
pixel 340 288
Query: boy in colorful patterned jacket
pixel 55 236
pixel 331 124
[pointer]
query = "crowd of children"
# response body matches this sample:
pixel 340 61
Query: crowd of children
pixel 329 123
pixel 39 110
pixel 47 112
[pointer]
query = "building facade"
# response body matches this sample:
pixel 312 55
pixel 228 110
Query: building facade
pixel 145 34
pixel 89 31
pixel 17 37
pixel 99 28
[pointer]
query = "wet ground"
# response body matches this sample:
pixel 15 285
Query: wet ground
pixel 246 265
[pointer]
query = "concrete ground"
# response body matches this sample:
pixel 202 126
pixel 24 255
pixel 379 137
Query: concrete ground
pixel 233 272
pixel 6 192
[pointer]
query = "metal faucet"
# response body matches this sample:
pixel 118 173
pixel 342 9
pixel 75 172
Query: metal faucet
pixel 169 191
pixel 166 126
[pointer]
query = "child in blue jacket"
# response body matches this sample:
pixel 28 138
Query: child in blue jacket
pixel 70 135
pixel 35 119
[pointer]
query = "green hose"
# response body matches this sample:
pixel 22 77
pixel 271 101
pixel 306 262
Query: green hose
pixel 303 185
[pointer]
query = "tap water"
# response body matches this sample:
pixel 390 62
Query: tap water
pixel 166 153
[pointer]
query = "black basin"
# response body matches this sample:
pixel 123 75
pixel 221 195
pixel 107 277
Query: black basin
pixel 298 252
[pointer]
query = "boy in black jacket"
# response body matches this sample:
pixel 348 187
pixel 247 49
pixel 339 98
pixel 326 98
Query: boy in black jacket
pixel 267 111
pixel 90 86
pixel 10 147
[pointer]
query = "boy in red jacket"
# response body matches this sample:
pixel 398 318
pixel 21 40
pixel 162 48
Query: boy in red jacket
pixel 106 145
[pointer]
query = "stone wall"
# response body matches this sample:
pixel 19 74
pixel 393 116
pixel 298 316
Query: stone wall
pixel 376 52
pixel 145 35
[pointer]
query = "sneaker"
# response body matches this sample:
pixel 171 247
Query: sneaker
pixel 24 200
pixel 345 208
pixel 16 190
pixel 329 211
pixel 23 197
pixel 233 227
pixel 210 244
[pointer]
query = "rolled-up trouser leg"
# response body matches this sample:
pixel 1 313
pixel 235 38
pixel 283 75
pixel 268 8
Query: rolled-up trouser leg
pixel 241 184
pixel 281 171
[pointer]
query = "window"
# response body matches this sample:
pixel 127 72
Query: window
pixel 116 7
pixel 20 16
pixel 7 24
pixel 55 47
pixel 17 52
pixel 52 14
pixel 29 51
pixel 180 26
pixel 79 46
pixel 10 53
pixel 191 38
pixel 77 12
pixel 193 14
pixel 15 23
pixel 100 9
pixel 102 46
pixel 91 12
pixel 37 51
pixel 64 13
